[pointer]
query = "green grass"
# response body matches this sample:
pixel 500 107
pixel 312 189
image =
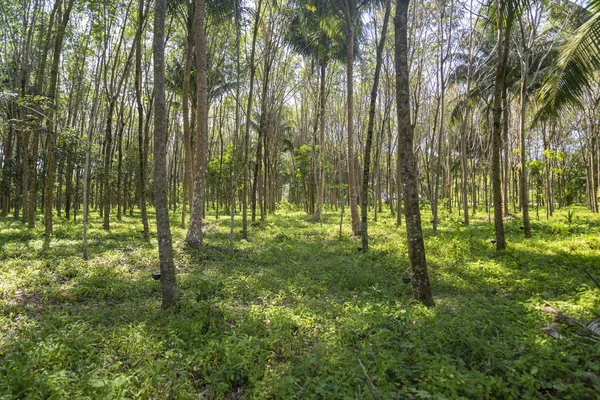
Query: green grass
pixel 294 312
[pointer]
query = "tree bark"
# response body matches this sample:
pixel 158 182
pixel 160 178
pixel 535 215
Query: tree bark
pixel 7 150
pixel 371 123
pixel 107 163
pixel 194 235
pixel 416 247
pixel 248 123
pixel 523 158
pixel 165 246
pixel 464 165
pixel 88 149
pixel 113 91
pixel 505 161
pixel 352 191
pixel 257 184
pixel 503 47
pixel 30 207
pixel 142 148
pixel 320 150
pixel 234 176
pixel 187 137
pixel 120 165
pixel 52 134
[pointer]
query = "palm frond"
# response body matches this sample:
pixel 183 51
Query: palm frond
pixel 477 95
pixel 578 60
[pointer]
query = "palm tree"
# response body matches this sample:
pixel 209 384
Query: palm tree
pixel 505 20
pixel 578 60
pixel 314 33
pixel 350 11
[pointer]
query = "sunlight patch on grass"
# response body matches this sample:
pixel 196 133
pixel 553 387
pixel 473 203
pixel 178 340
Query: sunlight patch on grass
pixel 296 310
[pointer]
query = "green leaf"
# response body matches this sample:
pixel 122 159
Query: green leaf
pixel 119 381
pixel 534 370
pixel 97 383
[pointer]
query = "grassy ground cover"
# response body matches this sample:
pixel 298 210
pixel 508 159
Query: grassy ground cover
pixel 297 312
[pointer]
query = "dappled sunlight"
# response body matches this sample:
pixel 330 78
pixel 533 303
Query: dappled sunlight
pixel 294 311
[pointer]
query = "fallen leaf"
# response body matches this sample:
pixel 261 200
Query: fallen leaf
pixel 551 330
pixel 594 327
pixel 548 308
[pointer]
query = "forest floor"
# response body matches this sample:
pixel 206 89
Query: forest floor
pixel 298 312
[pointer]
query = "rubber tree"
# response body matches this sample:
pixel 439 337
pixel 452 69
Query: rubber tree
pixel 252 66
pixel 194 236
pixel 52 134
pixel 142 139
pixel 504 24
pixel 115 77
pixel 416 247
pixel 314 34
pixel 163 227
pixel 370 126
pixel 444 56
pixel 351 15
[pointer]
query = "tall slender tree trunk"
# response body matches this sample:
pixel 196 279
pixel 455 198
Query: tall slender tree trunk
pixel 113 94
pixel 21 136
pixel 221 156
pixel 108 163
pixel 431 173
pixel 52 134
pixel 187 137
pixel 352 190
pixel 596 181
pixel 464 165
pixel 163 227
pixel 22 144
pixel 438 163
pixel 142 149
pixel 249 122
pixel 30 207
pixel 234 172
pixel 74 114
pixel 7 150
pixel 523 158
pixel 32 184
pixel 59 190
pixel 592 200
pixel 443 55
pixel 370 125
pixel 120 166
pixel 257 184
pixel 69 184
pixel 18 199
pixel 416 246
pixel 88 149
pixel 503 48
pixel 505 151
pixel 321 148
pixel 194 235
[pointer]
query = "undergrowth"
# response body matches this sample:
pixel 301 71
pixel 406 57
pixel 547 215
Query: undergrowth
pixel 298 312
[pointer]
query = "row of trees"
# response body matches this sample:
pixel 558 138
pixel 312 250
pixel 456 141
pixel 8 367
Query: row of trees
pixel 303 99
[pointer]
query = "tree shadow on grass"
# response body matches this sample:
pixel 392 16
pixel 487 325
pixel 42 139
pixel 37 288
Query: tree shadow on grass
pixel 467 346
pixel 291 314
pixel 66 241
